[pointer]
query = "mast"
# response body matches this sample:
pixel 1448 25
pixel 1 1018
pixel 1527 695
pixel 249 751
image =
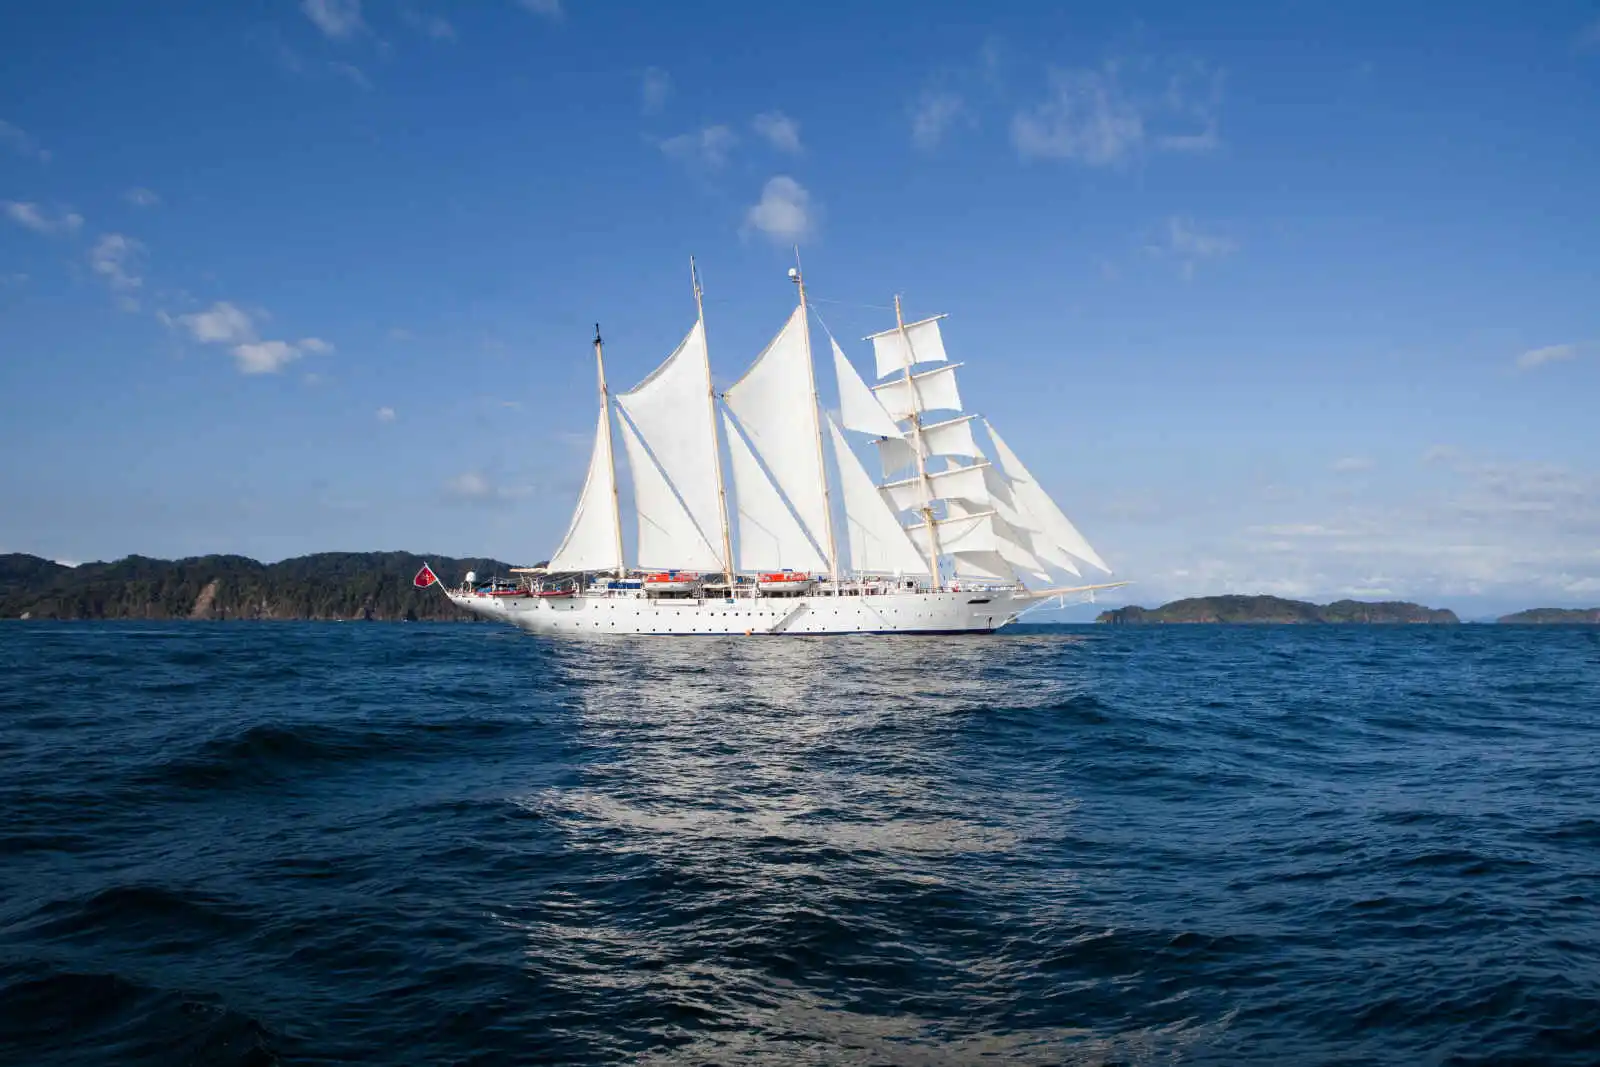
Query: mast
pixel 816 417
pixel 716 437
pixel 916 444
pixel 605 412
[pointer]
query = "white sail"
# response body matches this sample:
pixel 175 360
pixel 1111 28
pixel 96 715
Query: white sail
pixel 593 535
pixel 974 532
pixel 927 346
pixel 933 390
pixel 770 537
pixel 990 565
pixel 858 408
pixel 1038 512
pixel 773 405
pixel 669 411
pixel 978 484
pixel 668 536
pixel 878 544
pixel 951 438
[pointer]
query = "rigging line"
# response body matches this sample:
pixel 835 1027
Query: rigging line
pixel 847 303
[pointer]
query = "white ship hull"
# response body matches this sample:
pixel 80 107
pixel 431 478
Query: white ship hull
pixel 919 612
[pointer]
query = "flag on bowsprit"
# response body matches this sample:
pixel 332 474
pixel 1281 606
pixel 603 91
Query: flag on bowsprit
pixel 425 577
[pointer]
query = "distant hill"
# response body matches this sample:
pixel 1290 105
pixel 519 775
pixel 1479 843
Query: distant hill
pixel 1554 617
pixel 328 585
pixel 1272 609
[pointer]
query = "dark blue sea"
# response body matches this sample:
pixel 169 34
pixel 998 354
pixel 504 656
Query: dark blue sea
pixel 268 843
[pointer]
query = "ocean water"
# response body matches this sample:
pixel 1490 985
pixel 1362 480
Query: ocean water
pixel 242 843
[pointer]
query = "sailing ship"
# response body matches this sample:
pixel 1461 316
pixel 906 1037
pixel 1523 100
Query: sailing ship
pixel 954 539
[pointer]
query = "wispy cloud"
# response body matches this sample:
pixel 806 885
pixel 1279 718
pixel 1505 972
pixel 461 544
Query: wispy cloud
pixel 934 112
pixel 1088 116
pixel 1351 464
pixel 141 198
pixel 337 19
pixel 474 487
pixel 1539 357
pixel 779 130
pixel 433 26
pixel 31 216
pixel 387 414
pixel 114 258
pixel 655 88
pixel 1589 36
pixel 1085 117
pixel 784 213
pixel 351 73
pixel 227 324
pixel 550 9
pixel 17 139
pixel 1189 245
pixel 707 148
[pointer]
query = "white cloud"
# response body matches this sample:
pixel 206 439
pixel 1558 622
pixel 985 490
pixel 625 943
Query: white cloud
pixel 550 9
pixel 469 485
pixel 433 26
pixel 933 115
pixel 781 131
pixel 17 139
pixel 655 86
pixel 225 324
pixel 1440 454
pixel 1351 464
pixel 141 198
pixel 265 357
pixel 784 212
pixel 335 18
pixel 113 257
pixel 1085 117
pixel 1538 357
pixel 386 414
pixel 707 148
pixel 222 324
pixel 30 216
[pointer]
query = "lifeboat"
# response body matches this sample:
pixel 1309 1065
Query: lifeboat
pixel 499 588
pixel 556 593
pixel 786 582
pixel 669 582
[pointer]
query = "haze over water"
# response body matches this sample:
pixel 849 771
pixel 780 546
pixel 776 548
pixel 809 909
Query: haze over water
pixel 304 844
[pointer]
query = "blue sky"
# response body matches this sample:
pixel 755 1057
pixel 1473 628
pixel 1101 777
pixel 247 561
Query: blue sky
pixel 1301 299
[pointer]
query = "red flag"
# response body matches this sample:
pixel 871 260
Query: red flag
pixel 425 577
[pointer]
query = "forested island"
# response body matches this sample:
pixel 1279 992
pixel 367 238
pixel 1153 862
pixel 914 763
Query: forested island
pixel 1272 609
pixel 1553 617
pixel 328 585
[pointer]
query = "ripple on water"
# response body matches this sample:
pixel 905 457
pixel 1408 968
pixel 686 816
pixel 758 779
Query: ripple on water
pixel 252 844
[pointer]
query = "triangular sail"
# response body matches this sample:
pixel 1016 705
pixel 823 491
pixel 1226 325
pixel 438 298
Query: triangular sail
pixel 669 411
pixel 668 536
pixel 773 405
pixel 770 537
pixel 1038 511
pixel 858 408
pixel 892 353
pixel 982 532
pixel 934 390
pixel 594 533
pixel 878 544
